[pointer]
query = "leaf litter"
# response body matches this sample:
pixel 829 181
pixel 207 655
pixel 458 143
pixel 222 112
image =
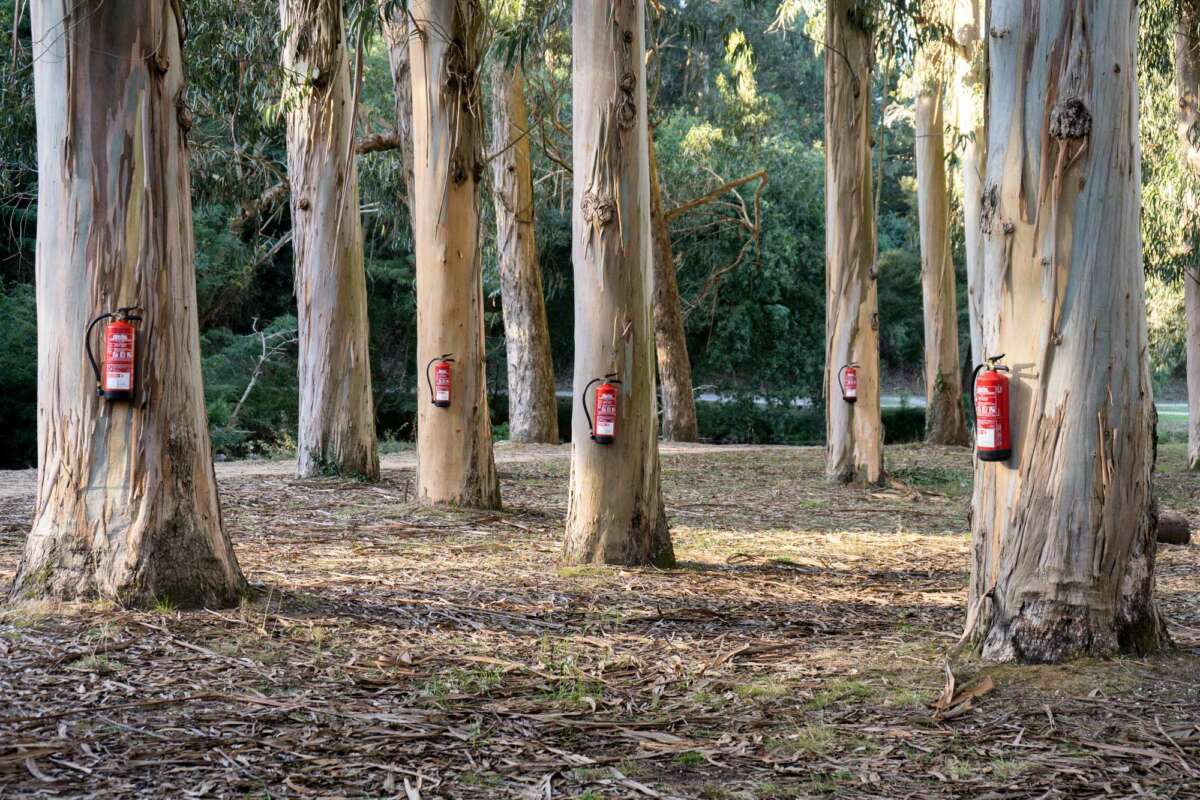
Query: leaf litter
pixel 391 650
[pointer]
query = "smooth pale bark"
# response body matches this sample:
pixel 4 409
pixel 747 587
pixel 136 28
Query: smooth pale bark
pixel 969 92
pixel 455 464
pixel 674 366
pixel 615 509
pixel 1191 302
pixel 532 406
pixel 1187 85
pixel 854 432
pixel 127 505
pixel 395 34
pixel 945 420
pixel 337 411
pixel 1063 534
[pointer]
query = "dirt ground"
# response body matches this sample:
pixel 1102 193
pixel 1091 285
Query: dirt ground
pixel 396 651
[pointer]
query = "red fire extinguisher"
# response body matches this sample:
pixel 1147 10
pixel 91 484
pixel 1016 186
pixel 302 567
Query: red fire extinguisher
pixel 439 385
pixel 990 389
pixel 604 426
pixel 848 380
pixel 115 376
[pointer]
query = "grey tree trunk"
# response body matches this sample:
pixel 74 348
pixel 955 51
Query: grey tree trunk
pixel 127 505
pixel 455 464
pixel 969 93
pixel 945 419
pixel 615 509
pixel 1187 84
pixel 674 366
pixel 396 35
pixel 532 406
pixel 1063 533
pixel 337 411
pixel 854 432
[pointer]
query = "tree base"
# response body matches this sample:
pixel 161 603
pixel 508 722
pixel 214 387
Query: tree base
pixel 1048 632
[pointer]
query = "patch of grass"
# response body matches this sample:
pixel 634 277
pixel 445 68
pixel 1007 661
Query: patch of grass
pixel 712 791
pixel 94 663
pixel 690 759
pixel 816 740
pixel 940 480
pixel 762 689
pixel 904 697
pixel 838 690
pixel 957 770
pixel 585 571
pixel 164 606
pixel 827 784
pixel 1005 769
pixel 459 680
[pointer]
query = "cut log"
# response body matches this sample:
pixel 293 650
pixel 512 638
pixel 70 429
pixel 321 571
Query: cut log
pixel 1173 528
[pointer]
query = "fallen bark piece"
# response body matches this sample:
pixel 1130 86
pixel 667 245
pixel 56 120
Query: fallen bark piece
pixel 1173 528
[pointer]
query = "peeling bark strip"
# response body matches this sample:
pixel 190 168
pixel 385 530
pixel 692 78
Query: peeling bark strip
pixel 854 432
pixel 454 445
pixel 1187 85
pixel 532 405
pixel 127 505
pixel 1064 534
pixel 945 420
pixel 970 77
pixel 615 509
pixel 337 411
pixel 679 422
pixel 396 34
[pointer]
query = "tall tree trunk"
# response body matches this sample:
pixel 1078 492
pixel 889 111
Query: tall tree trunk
pixel 945 420
pixel 532 406
pixel 1064 532
pixel 395 34
pixel 970 82
pixel 1191 302
pixel 674 367
pixel 337 411
pixel 615 509
pixel 854 432
pixel 1187 84
pixel 127 505
pixel 455 464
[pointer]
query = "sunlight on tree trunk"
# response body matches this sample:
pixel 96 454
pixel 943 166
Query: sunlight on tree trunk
pixel 127 505
pixel 1064 533
pixel 1187 84
pixel 532 406
pixel 854 432
pixel 615 509
pixel 395 34
pixel 945 420
pixel 337 411
pixel 674 367
pixel 970 81
pixel 455 464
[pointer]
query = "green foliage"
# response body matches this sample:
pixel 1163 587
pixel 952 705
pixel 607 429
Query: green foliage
pixel 18 368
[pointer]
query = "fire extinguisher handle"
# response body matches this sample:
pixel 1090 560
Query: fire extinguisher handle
pixel 87 345
pixel 583 402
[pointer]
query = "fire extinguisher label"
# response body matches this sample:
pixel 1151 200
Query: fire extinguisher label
pixel 987 436
pixel 443 394
pixel 117 380
pixel 606 415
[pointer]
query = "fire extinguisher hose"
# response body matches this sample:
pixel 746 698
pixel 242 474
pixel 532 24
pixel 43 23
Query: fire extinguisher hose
pixel 583 402
pixel 87 344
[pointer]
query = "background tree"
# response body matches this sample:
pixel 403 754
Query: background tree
pixel 337 412
pixel 127 504
pixel 945 420
pixel 854 432
pixel 1063 534
pixel 967 96
pixel 454 445
pixel 1187 86
pixel 532 406
pixel 615 511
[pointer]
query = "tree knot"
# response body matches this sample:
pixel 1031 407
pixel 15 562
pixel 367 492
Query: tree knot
pixel 1070 119
pixel 597 209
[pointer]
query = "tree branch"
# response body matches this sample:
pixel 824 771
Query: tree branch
pixel 705 199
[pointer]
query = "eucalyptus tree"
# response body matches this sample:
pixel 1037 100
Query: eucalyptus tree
pixel 337 414
pixel 945 419
pixel 532 405
pixel 1187 87
pixel 967 94
pixel 1064 540
pixel 854 431
pixel 447 41
pixel 615 508
pixel 127 505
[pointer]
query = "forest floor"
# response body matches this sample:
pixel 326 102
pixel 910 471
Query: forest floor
pixel 392 650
